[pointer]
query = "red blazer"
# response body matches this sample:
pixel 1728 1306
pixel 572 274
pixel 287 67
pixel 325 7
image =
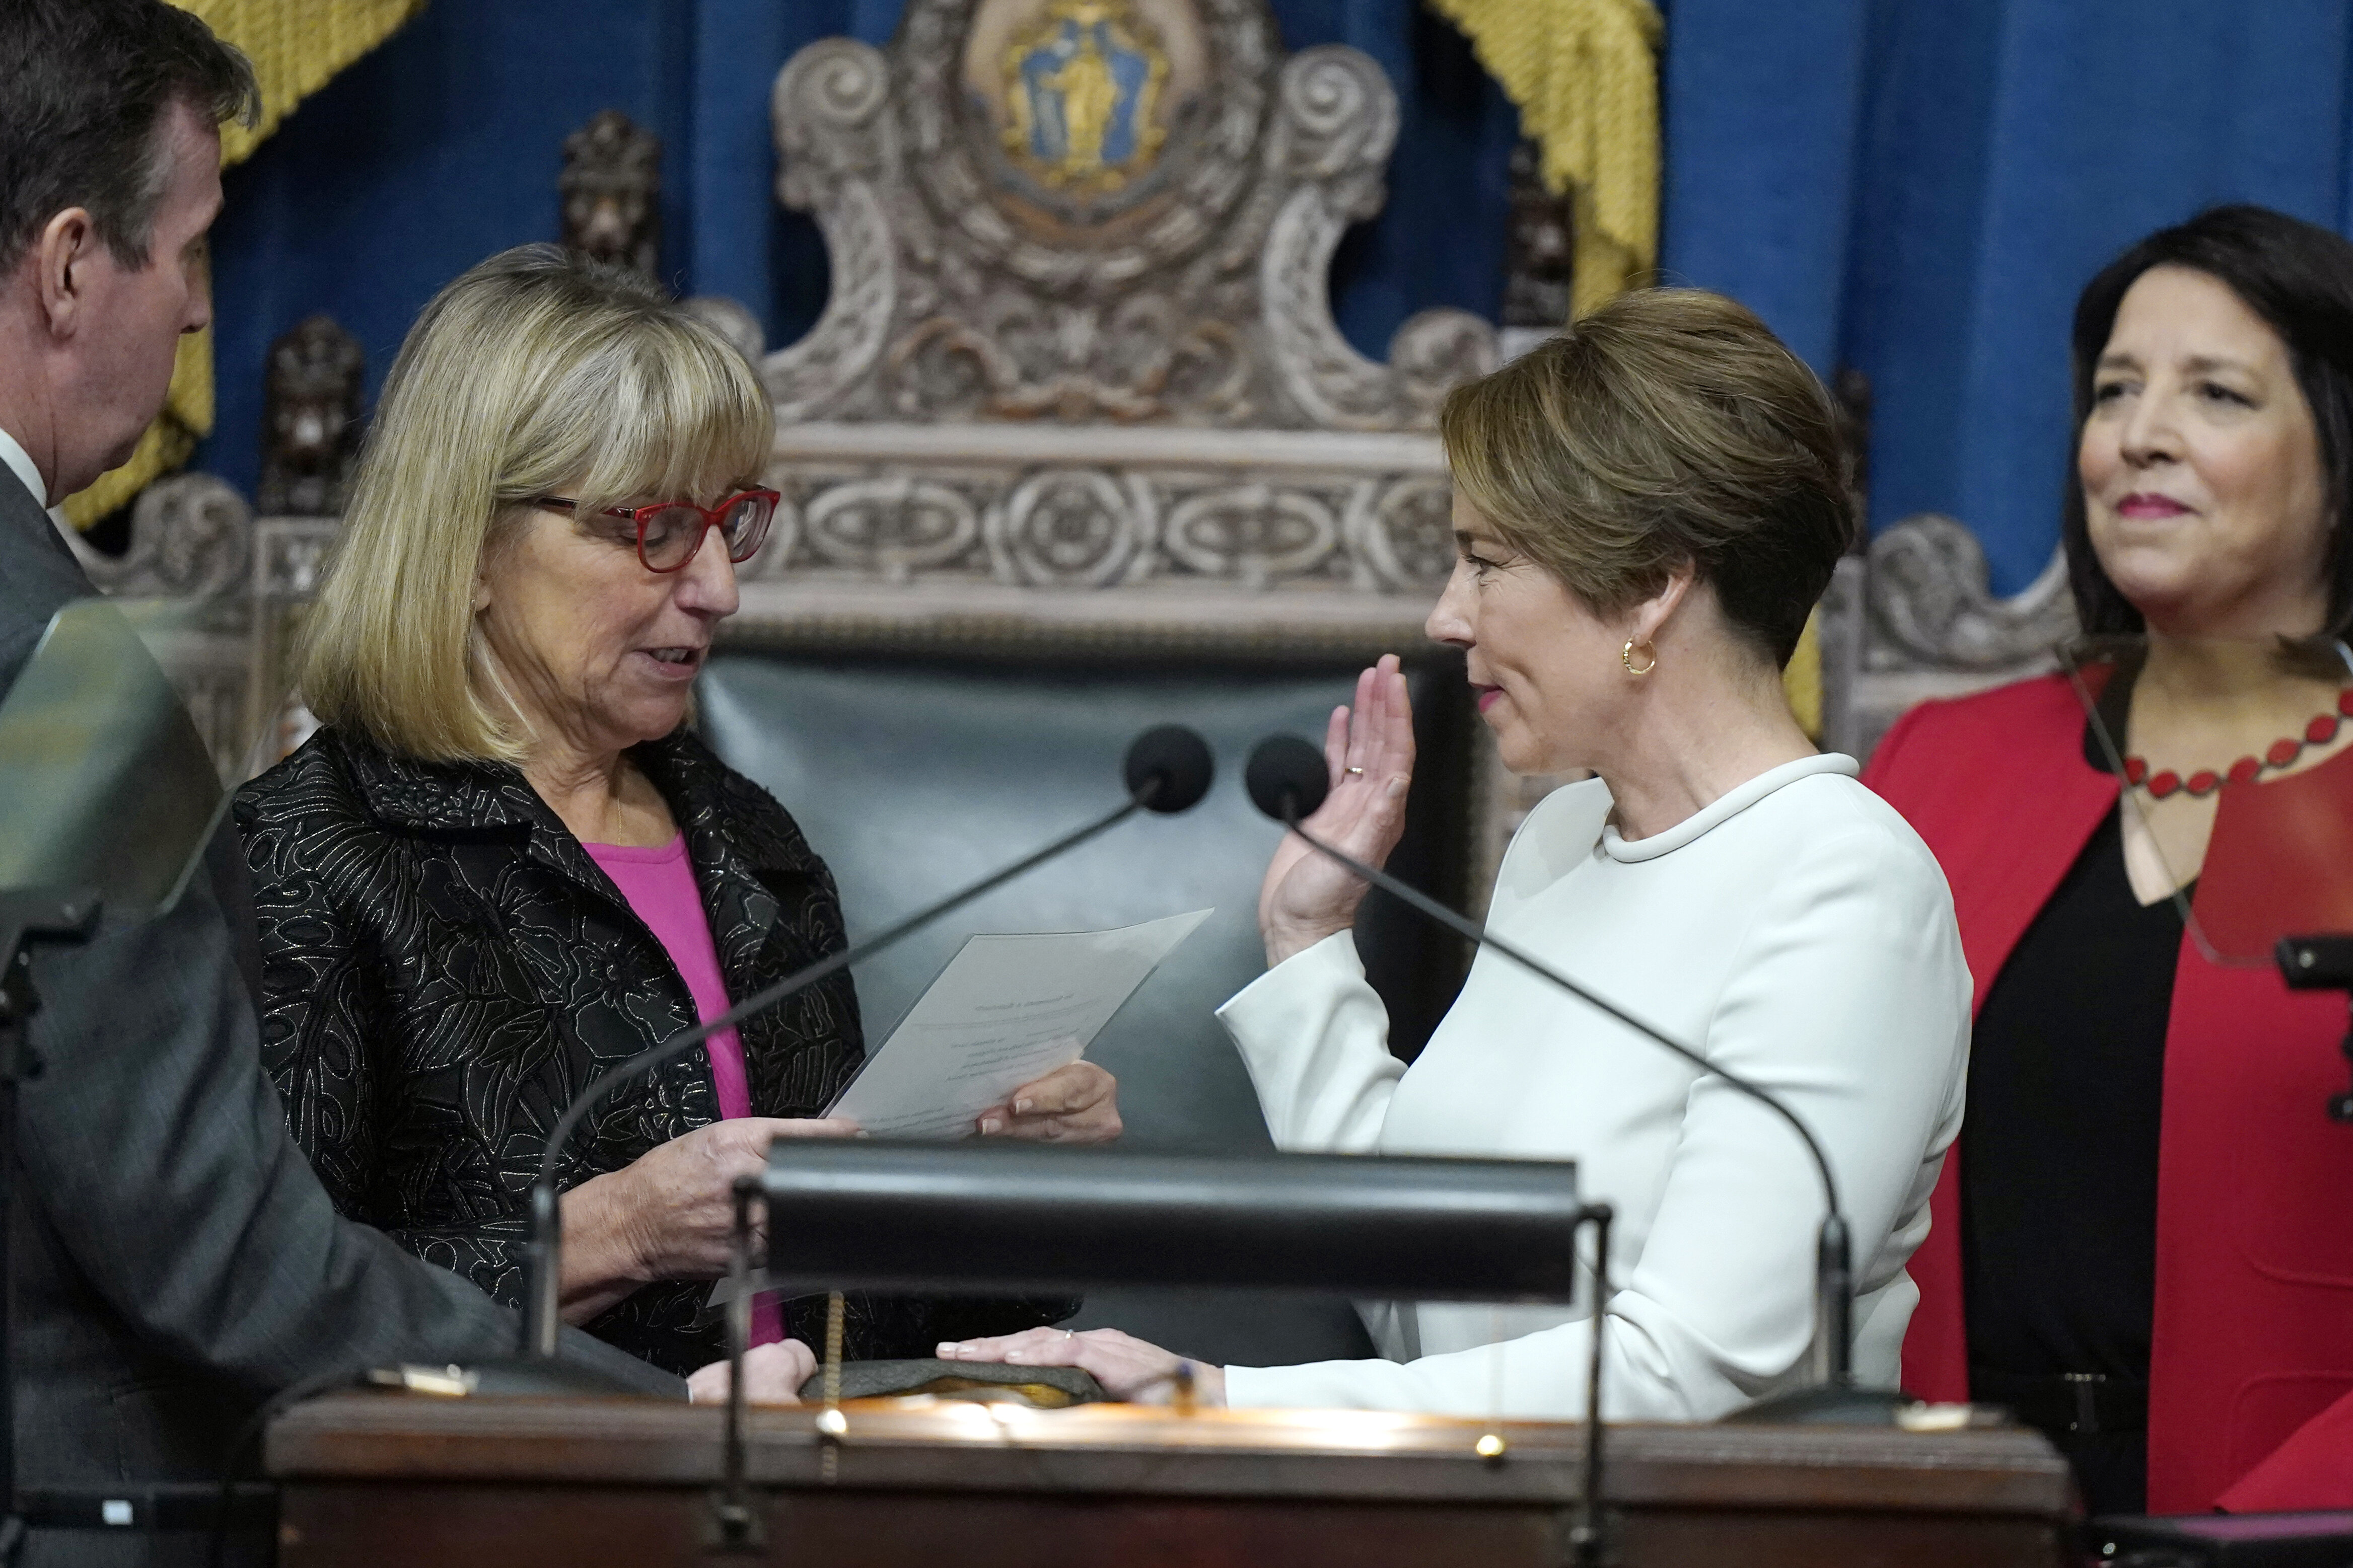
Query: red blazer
pixel 2253 1333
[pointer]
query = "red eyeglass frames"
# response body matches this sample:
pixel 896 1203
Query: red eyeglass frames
pixel 670 532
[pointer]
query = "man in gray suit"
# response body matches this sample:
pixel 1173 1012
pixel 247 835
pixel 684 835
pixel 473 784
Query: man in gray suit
pixel 176 1262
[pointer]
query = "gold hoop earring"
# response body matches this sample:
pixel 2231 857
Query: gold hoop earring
pixel 1626 657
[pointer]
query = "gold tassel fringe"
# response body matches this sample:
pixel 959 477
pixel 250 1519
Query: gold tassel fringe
pixel 1584 75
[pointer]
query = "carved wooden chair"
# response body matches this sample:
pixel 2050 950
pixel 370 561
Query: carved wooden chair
pixel 1076 448
pixel 1913 619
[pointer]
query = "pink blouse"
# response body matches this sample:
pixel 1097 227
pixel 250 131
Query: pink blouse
pixel 660 887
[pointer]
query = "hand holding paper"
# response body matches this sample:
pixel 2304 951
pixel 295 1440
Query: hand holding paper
pixel 1007 1012
pixel 1073 1104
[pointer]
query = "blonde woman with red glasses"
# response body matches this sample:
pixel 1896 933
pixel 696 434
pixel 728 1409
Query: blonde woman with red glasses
pixel 502 866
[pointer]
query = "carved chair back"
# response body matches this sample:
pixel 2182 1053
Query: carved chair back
pixel 1915 619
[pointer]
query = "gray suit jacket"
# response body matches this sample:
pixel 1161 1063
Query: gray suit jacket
pixel 176 1262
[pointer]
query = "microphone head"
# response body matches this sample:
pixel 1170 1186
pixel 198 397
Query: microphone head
pixel 1286 777
pixel 1168 769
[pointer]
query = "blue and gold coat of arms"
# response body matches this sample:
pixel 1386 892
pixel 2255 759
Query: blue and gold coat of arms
pixel 1083 87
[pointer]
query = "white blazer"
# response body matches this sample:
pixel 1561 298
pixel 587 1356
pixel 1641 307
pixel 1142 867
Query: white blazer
pixel 1796 932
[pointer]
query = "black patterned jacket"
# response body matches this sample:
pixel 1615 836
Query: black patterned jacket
pixel 445 969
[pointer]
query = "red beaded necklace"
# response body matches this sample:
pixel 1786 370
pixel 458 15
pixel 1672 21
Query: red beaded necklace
pixel 2280 754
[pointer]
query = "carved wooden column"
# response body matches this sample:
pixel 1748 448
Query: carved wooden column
pixel 1539 255
pixel 312 420
pixel 611 192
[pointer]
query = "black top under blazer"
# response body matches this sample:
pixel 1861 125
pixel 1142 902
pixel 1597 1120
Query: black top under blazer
pixel 445 968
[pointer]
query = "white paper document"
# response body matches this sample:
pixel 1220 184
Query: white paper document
pixel 1005 1011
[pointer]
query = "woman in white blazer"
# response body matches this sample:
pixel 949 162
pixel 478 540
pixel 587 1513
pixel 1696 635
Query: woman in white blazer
pixel 1646 509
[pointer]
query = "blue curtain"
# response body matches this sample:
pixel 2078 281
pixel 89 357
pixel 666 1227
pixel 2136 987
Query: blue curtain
pixel 1916 189
pixel 444 145
pixel 1920 190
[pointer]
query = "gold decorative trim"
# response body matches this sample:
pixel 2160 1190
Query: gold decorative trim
pixel 1585 75
pixel 1801 678
pixel 297 47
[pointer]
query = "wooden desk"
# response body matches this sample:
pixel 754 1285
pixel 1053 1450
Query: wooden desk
pixel 396 1478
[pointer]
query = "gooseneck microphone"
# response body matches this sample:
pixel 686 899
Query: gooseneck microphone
pixel 1167 770
pixel 1288 779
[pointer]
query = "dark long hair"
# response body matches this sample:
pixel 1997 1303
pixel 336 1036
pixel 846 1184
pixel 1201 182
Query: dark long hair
pixel 2300 279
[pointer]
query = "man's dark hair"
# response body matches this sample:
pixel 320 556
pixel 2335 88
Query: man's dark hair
pixel 84 89
pixel 2298 277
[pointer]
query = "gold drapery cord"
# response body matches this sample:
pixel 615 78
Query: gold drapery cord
pixel 1801 677
pixel 1585 75
pixel 296 45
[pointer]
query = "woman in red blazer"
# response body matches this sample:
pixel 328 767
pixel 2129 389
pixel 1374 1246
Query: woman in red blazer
pixel 2144 1240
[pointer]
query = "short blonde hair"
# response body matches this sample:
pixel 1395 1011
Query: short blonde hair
pixel 1669 426
pixel 536 373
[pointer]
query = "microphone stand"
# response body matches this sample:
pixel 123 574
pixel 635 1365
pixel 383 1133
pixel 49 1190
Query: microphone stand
pixel 27 915
pixel 1834 1399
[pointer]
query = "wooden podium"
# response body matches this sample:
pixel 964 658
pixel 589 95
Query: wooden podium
pixel 389 1479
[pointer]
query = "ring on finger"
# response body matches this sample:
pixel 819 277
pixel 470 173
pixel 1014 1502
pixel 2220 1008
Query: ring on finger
pixel 1355 770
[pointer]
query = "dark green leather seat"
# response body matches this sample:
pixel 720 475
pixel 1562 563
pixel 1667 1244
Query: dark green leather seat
pixel 914 777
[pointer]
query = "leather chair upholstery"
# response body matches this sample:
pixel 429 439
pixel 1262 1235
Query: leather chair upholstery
pixel 913 777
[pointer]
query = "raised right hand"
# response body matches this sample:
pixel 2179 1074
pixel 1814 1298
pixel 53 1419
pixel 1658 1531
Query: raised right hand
pixel 670 1214
pixel 1369 751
